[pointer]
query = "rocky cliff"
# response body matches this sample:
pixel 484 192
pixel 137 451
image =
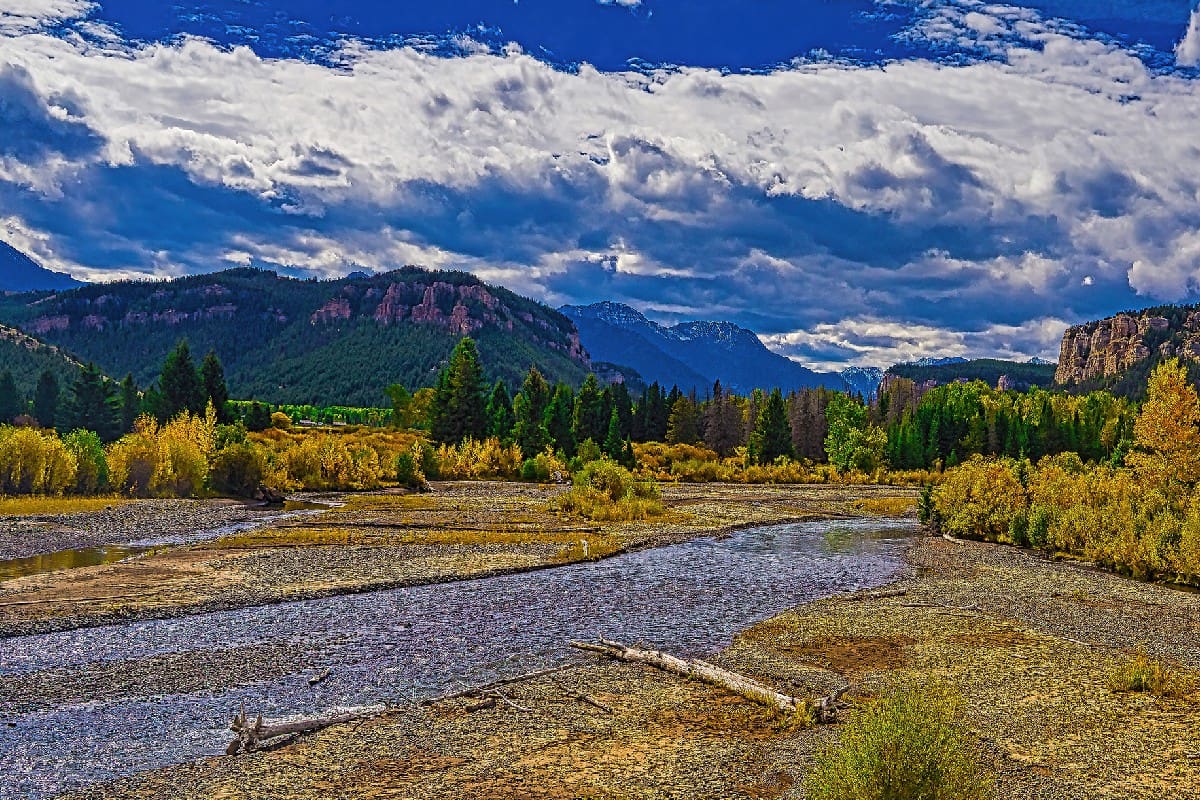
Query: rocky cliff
pixel 1100 351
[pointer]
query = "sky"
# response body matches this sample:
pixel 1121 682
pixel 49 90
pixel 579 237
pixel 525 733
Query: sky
pixel 861 182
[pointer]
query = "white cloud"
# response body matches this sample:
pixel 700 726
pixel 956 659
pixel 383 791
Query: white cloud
pixel 1187 52
pixel 20 16
pixel 1063 156
pixel 869 341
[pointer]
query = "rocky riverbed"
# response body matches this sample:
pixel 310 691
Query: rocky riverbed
pixel 1029 643
pixel 382 540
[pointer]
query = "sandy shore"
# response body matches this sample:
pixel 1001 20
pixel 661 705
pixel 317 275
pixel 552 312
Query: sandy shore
pixel 1028 643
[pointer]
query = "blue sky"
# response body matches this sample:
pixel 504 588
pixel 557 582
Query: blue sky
pixel 860 181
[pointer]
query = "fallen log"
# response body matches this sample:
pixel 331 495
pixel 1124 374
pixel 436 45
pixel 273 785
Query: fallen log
pixel 477 691
pixel 701 671
pixel 252 735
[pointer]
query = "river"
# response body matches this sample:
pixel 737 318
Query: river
pixel 100 707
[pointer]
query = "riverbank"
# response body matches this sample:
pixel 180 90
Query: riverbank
pixel 386 540
pixel 1029 643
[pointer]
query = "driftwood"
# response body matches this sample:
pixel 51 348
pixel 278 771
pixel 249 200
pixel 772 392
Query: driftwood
pixel 320 676
pixel 252 735
pixel 822 710
pixel 701 671
pixel 879 595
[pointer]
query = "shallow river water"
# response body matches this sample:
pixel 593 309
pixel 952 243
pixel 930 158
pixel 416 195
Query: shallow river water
pixel 396 645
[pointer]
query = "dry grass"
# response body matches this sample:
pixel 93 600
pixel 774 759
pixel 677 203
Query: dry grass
pixel 886 506
pixel 1141 673
pixel 32 506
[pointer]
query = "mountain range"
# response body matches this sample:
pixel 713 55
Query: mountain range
pixel 20 273
pixel 690 355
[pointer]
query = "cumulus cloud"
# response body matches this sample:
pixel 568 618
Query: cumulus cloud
pixel 1187 52
pixel 1053 178
pixel 21 16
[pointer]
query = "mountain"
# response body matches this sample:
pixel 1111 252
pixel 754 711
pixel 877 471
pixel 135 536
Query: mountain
pixel 27 358
pixel 20 273
pixel 992 371
pixel 305 341
pixel 1119 352
pixel 863 380
pixel 691 355
pixel 935 362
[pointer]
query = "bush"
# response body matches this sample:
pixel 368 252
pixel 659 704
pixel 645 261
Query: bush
pixel 607 492
pixel 909 745
pixel 475 460
pixel 980 498
pixel 408 473
pixel 281 421
pixel 238 469
pixel 34 462
pixel 91 475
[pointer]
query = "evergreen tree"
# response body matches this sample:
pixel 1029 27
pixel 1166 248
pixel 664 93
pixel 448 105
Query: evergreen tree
pixel 588 419
pixel 212 376
pixel 559 421
pixel 131 403
pixel 460 397
pixel 10 400
pixel 46 400
pixel 614 442
pixel 683 426
pixel 622 403
pixel 93 404
pixel 772 436
pixel 258 417
pixel 180 383
pixel 722 423
pixel 500 413
pixel 529 411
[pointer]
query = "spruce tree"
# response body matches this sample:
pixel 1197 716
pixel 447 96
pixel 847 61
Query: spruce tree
pixel 500 413
pixel 614 442
pixel 460 397
pixel 529 411
pixel 131 403
pixel 683 426
pixel 722 423
pixel 46 400
pixel 258 417
pixel 560 415
pixel 180 383
pixel 212 376
pixel 93 404
pixel 772 437
pixel 10 399
pixel 588 420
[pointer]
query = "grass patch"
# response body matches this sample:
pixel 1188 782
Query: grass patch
pixel 1141 673
pixel 886 506
pixel 33 506
pixel 908 745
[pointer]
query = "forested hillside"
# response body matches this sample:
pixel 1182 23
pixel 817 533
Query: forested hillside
pixel 1018 374
pixel 26 358
pixel 320 342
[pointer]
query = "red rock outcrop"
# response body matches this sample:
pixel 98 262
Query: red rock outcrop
pixel 1112 346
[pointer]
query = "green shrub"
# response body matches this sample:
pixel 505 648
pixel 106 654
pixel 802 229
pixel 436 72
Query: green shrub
pixel 607 492
pixel 407 472
pixel 238 469
pixel 91 474
pixel 908 745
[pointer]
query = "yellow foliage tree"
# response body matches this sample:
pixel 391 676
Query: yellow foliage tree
pixel 1166 451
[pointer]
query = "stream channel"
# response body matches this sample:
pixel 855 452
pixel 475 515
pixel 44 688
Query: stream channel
pixel 102 703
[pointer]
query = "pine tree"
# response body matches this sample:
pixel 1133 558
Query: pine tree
pixel 622 403
pixel 212 376
pixel 131 403
pixel 772 437
pixel 500 413
pixel 588 420
pixel 722 423
pixel 529 411
pixel 460 397
pixel 180 383
pixel 46 400
pixel 93 404
pixel 614 442
pixel 258 417
pixel 10 399
pixel 559 420
pixel 683 426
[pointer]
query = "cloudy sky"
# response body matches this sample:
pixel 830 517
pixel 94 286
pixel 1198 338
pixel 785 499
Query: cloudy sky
pixel 860 181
